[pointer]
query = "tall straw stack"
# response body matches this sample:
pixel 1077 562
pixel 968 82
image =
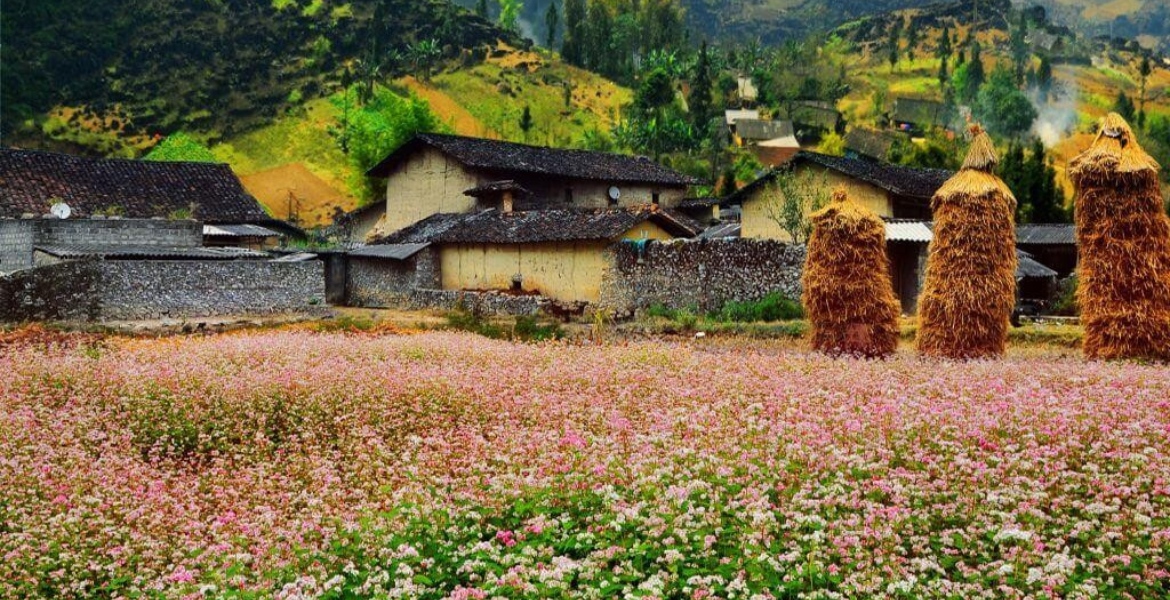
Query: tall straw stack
pixel 970 286
pixel 1124 239
pixel 848 295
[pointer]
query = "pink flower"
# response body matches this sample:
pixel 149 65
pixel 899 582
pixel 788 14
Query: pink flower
pixel 505 537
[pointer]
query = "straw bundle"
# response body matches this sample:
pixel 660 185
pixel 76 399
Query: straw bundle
pixel 970 286
pixel 848 296
pixel 1124 240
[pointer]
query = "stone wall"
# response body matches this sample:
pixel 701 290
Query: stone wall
pixel 19 236
pixel 488 303
pixel 381 282
pixel 135 290
pixel 700 273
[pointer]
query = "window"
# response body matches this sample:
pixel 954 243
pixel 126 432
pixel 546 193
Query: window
pixel 654 198
pixel 568 195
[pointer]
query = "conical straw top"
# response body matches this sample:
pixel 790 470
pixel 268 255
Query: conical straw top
pixel 1115 149
pixel 981 156
pixel 840 194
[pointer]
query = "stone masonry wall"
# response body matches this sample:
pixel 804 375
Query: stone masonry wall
pixel 701 273
pixel 381 282
pixel 19 236
pixel 134 290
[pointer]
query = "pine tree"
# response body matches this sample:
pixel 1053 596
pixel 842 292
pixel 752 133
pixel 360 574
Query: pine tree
pixel 1124 107
pixel 1020 54
pixel 699 100
pixel 551 22
pixel 1045 197
pixel 975 74
pixel 944 44
pixel 481 8
pixel 943 76
pixel 1144 70
pixel 1044 78
pixel 526 122
pixel 895 38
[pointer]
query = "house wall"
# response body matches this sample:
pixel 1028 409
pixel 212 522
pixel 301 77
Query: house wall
pixel 381 282
pixel 426 183
pixel 757 225
pixel 18 237
pixel 569 271
pixel 590 194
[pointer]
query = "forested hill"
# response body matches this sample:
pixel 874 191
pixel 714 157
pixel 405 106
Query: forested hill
pixel 144 67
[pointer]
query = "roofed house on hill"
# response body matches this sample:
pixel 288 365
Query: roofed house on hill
pixel 812 119
pixel 901 195
pixel 914 114
pixel 870 143
pixel 431 173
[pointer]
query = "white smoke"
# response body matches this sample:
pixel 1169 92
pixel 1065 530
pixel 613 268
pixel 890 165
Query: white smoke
pixel 1057 116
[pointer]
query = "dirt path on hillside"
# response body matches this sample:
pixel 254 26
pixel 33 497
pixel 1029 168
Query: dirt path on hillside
pixel 449 111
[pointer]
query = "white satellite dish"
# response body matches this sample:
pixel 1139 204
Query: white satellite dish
pixel 614 192
pixel 61 210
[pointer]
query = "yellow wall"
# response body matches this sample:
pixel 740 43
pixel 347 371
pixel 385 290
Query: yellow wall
pixel 757 224
pixel 426 183
pixel 567 271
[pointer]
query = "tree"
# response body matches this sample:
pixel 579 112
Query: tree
pixel 1124 106
pixel 911 40
pixel 1144 70
pixel 182 148
pixel 944 44
pixel 974 75
pixel 1033 180
pixel 793 197
pixel 699 100
pixel 526 121
pixel 509 14
pixel 1044 78
pixel 892 45
pixel 551 22
pixel 481 8
pixel 422 55
pixel 1019 43
pixel 943 76
pixel 574 37
pixel 1002 107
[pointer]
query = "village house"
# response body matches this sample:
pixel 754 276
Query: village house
pixel 1053 244
pixel 84 238
pixel 430 174
pixel 917 115
pixel 813 119
pixel 870 143
pixel 901 195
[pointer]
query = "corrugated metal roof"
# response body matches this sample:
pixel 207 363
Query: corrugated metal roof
pixel 720 231
pixel 392 251
pixel 297 257
pixel 1057 234
pixel 903 230
pixel 148 252
pixel 733 115
pixel 241 230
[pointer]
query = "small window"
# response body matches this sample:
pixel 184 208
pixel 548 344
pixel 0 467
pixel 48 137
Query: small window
pixel 568 195
pixel 654 198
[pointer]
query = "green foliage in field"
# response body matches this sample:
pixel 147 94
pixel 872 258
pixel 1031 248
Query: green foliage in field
pixel 182 148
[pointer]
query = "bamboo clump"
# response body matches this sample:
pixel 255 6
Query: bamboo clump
pixel 848 296
pixel 1123 236
pixel 970 288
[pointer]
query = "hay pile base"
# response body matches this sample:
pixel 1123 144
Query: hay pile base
pixel 848 295
pixel 970 286
pixel 1123 236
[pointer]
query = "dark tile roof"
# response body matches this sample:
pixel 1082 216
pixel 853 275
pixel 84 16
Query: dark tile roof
pixel 909 182
pixel 1026 266
pixel 920 112
pixel 561 225
pixel 504 157
pixel 394 251
pixel 817 114
pixel 497 187
pixel 113 251
pixel 30 180
pixel 1049 234
pixel 697 202
pixel 870 142
pixel 760 129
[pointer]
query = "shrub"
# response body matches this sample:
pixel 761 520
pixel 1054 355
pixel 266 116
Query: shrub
pixel 773 307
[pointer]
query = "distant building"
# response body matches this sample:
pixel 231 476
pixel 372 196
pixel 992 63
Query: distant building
pixel 429 175
pixel 813 119
pixel 870 143
pixel 1052 244
pixel 913 114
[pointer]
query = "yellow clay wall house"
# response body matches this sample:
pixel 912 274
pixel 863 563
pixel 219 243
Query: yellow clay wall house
pixel 758 225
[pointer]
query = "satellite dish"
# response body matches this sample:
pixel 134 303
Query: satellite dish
pixel 61 210
pixel 614 192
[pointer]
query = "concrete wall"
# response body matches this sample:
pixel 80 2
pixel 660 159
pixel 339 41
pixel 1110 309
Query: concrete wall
pixel 704 274
pixel 133 290
pixel 17 237
pixel 756 223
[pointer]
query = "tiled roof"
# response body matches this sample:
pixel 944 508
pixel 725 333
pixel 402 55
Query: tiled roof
pixel 1054 234
pixel 910 182
pixel 495 187
pixel 394 251
pixel 920 112
pixel 697 202
pixel 1026 266
pixel 505 157
pixel 110 251
pixel 759 129
pixel 870 142
pixel 563 225
pixel 816 114
pixel 31 180
pixel 732 115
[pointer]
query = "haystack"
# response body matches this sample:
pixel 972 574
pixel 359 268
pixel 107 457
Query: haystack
pixel 970 286
pixel 1123 236
pixel 848 296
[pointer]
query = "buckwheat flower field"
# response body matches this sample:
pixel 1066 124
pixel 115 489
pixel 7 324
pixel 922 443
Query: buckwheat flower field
pixel 308 465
